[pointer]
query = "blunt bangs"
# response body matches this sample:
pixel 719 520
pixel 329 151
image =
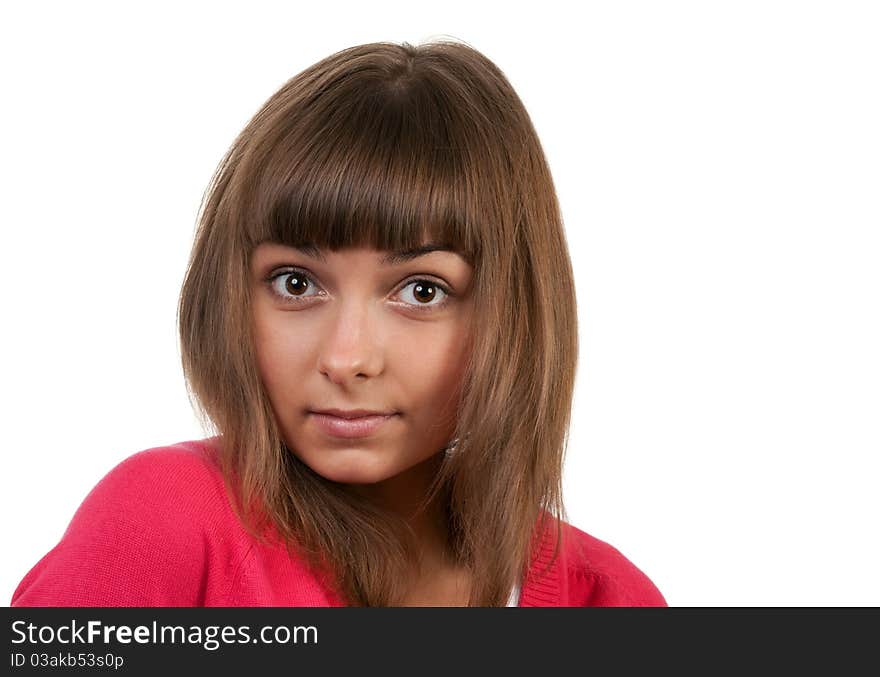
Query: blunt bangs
pixel 381 170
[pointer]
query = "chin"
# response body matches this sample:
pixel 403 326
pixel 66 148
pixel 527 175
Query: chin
pixel 355 476
pixel 350 468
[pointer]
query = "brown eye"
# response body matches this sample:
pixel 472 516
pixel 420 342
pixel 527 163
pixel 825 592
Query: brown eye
pixel 424 292
pixel 292 286
pixel 296 284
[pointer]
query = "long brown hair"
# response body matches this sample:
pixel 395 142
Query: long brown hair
pixel 389 145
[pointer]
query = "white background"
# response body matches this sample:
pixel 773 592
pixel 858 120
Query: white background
pixel 718 167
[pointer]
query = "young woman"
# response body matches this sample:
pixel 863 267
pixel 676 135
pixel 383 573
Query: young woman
pixel 378 324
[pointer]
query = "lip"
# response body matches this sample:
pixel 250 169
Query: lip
pixel 352 413
pixel 350 427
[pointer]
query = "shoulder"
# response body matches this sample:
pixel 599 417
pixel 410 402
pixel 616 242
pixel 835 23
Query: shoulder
pixel 157 476
pixel 175 488
pixel 139 538
pixel 600 575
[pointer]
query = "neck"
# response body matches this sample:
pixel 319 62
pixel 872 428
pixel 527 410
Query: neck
pixel 437 580
pixel 403 495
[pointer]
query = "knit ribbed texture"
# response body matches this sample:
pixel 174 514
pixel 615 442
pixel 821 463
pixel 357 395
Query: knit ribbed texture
pixel 542 586
pixel 159 531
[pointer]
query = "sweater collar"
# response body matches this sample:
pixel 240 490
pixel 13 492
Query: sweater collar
pixel 543 584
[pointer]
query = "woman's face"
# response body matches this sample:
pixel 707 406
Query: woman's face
pixel 346 330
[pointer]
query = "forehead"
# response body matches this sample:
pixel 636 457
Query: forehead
pixel 384 257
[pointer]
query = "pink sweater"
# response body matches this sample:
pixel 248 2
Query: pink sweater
pixel 158 530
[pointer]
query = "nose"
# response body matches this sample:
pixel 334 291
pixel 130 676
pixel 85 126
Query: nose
pixel 351 345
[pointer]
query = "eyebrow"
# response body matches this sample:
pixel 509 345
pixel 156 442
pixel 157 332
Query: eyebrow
pixel 392 259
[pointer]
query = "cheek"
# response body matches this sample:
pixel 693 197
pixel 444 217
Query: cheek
pixel 432 367
pixel 282 355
